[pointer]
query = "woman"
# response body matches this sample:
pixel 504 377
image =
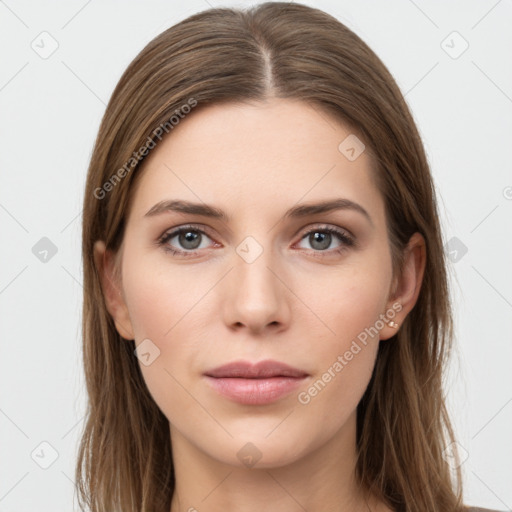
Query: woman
pixel 266 314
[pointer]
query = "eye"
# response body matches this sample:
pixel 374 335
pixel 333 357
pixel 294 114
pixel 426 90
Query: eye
pixel 188 239
pixel 321 238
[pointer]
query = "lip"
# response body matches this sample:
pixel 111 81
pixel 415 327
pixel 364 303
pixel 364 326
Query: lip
pixel 262 369
pixel 255 384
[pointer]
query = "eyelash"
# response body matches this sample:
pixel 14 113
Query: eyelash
pixel 347 240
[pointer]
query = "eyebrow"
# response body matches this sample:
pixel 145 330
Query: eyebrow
pixel 299 211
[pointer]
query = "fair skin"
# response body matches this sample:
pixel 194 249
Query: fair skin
pixel 299 302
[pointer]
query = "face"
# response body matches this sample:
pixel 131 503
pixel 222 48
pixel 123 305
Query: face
pixel 266 281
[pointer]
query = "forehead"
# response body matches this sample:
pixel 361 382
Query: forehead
pixel 261 155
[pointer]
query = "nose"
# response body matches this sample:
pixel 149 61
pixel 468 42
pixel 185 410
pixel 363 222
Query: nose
pixel 256 297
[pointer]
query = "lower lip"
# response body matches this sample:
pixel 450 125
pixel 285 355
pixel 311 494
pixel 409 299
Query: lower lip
pixel 255 391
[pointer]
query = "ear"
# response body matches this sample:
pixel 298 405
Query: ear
pixel 111 286
pixel 406 287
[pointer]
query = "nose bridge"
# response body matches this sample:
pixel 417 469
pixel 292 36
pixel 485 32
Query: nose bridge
pixel 256 282
pixel 257 296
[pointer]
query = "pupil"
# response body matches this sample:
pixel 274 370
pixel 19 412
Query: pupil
pixel 324 238
pixel 190 238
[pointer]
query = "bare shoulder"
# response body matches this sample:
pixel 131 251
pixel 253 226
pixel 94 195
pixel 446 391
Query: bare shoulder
pixel 382 507
pixel 478 509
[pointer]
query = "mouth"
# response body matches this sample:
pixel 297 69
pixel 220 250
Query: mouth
pixel 255 384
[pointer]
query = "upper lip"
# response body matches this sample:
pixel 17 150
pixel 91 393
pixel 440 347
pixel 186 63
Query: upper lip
pixel 260 370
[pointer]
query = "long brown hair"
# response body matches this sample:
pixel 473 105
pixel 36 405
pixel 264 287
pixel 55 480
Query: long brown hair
pixel 284 50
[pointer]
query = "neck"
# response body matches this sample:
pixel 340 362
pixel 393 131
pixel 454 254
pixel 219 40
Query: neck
pixel 322 480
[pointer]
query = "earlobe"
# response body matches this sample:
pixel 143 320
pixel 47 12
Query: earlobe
pixel 111 287
pixel 408 284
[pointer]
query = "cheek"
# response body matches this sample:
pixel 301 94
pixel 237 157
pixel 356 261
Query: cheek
pixel 167 306
pixel 349 303
pixel 347 300
pixel 160 298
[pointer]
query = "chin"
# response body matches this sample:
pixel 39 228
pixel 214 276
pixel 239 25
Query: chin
pixel 250 456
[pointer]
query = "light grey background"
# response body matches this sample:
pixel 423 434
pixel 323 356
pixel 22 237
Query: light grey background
pixel 50 113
